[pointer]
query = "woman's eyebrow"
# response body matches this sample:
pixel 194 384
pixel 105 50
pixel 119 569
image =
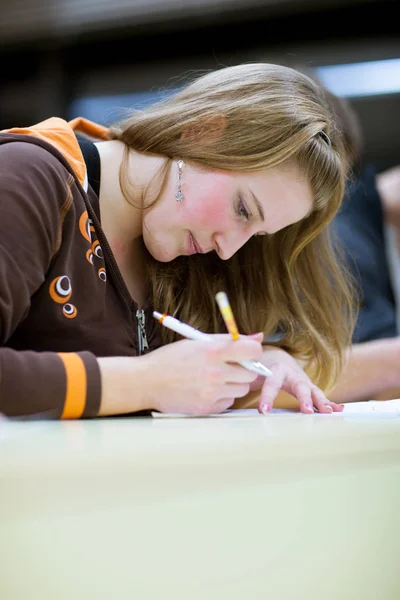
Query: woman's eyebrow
pixel 259 206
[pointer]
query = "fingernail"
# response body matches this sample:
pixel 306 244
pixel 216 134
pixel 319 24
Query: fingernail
pixel 265 408
pixel 310 407
pixel 256 335
pixel 329 407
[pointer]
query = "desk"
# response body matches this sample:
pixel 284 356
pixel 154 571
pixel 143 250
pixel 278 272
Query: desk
pixel 284 507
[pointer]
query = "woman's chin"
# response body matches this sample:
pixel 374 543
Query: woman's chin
pixel 162 258
pixel 162 255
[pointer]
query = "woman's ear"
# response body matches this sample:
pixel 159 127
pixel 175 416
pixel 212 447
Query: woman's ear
pixel 207 130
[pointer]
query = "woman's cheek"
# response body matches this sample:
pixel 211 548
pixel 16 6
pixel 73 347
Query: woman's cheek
pixel 212 213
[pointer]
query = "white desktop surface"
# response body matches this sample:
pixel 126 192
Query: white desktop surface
pixel 283 507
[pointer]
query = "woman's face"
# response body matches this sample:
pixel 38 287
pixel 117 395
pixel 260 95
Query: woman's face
pixel 222 210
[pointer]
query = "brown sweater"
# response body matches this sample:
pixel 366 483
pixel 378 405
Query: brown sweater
pixel 63 301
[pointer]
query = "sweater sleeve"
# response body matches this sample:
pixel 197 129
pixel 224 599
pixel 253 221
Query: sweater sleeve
pixel 35 196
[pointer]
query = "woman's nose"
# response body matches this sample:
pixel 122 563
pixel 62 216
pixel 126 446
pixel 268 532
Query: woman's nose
pixel 228 244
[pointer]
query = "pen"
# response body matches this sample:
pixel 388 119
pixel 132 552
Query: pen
pixel 194 334
pixel 230 322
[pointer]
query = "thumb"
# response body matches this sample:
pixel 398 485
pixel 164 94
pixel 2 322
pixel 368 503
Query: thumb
pixel 257 336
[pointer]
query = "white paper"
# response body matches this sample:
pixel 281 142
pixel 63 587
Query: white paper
pixel 387 407
pixel 231 413
pixel 374 406
pixel 243 412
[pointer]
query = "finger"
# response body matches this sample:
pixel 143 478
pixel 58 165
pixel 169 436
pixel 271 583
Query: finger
pixel 257 383
pixel 298 387
pixel 224 404
pixel 302 391
pixel 236 350
pixel 321 401
pixel 227 373
pixel 336 407
pixel 234 373
pixel 271 389
pixel 216 406
pixel 232 390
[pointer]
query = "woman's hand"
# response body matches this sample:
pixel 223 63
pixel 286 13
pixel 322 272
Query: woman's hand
pixel 198 377
pixel 289 377
pixel 201 377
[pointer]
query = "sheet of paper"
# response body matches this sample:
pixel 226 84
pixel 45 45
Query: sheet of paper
pixel 245 412
pixel 374 406
pixel 242 412
pixel 388 407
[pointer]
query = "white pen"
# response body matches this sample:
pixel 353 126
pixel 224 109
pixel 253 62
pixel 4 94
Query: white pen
pixel 194 334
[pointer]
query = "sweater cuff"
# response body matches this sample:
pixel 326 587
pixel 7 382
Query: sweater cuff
pixel 93 390
pixel 82 385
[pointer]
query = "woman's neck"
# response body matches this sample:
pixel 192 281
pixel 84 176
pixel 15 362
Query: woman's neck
pixel 121 218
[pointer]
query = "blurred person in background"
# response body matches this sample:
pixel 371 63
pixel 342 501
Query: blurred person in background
pixel 372 201
pixel 231 185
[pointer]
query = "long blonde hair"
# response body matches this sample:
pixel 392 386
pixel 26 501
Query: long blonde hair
pixel 291 281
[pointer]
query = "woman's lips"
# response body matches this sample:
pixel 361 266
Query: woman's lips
pixel 194 247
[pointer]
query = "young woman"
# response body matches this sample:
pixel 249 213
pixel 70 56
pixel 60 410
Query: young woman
pixel 227 185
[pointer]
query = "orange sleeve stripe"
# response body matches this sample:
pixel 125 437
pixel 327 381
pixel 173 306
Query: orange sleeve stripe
pixel 75 395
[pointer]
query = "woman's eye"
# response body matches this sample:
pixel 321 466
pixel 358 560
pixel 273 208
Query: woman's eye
pixel 242 211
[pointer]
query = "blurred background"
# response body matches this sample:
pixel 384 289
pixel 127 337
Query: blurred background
pixel 93 58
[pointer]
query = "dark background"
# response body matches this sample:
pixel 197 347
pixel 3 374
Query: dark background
pixel 53 52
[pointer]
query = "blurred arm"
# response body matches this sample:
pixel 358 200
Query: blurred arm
pixel 388 184
pixel 372 372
